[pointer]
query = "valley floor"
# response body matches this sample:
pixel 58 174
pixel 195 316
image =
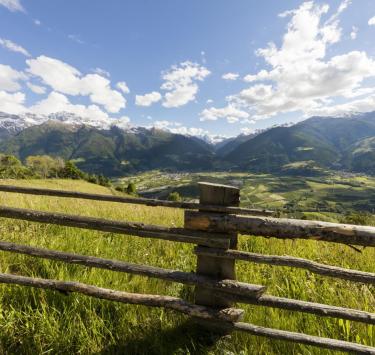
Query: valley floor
pixel 320 197
pixel 36 321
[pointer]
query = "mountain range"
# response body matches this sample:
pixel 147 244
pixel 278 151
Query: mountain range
pixel 338 143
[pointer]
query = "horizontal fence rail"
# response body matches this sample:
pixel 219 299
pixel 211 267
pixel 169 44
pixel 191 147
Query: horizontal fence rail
pixel 173 303
pixel 284 228
pixel 291 261
pixel 136 200
pixel 319 309
pixel 224 318
pixel 188 278
pixel 106 225
pixel 303 339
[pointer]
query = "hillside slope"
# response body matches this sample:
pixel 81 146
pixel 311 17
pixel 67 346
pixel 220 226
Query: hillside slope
pixel 114 151
pixel 323 140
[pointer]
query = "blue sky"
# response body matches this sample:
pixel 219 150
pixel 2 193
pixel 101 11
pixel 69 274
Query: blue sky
pixel 216 66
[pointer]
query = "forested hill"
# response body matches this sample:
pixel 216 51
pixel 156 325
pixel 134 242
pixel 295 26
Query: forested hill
pixel 338 143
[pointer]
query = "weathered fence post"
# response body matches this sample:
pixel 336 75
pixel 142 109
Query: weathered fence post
pixel 219 268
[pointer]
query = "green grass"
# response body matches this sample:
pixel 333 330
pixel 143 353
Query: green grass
pixel 37 321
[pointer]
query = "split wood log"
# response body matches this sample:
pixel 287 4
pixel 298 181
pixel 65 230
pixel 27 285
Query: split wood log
pixel 283 228
pixel 129 228
pixel 308 307
pixel 294 337
pixel 188 278
pixel 315 267
pixel 176 304
pixel 135 200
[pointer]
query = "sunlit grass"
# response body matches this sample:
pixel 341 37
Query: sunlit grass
pixel 37 321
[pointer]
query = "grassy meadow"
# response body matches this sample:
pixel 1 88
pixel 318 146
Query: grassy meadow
pixel 36 321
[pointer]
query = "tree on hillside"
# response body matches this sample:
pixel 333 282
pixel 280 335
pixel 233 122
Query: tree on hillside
pixel 45 166
pixel 70 171
pixel 12 168
pixel 174 196
pixel 131 189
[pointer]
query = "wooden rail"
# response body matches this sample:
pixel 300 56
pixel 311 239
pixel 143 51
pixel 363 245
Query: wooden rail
pixel 319 309
pixel 214 230
pixel 128 228
pixel 284 228
pixel 291 261
pixel 136 200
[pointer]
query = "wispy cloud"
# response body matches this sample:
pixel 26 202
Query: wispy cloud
pixel 230 76
pixel 12 5
pixel 13 47
pixel 75 38
pixel 37 89
pixel 354 33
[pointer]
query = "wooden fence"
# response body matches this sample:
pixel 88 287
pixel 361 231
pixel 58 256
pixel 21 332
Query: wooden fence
pixel 212 224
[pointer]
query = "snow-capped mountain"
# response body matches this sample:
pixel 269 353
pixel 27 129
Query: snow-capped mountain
pixel 12 124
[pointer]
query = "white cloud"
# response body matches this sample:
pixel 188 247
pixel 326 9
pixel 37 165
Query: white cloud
pixel 13 47
pixel 366 104
pixel 56 102
pixel 180 82
pixel 247 130
pixel 147 99
pixel 178 128
pixel 301 77
pixel 371 21
pixel 229 112
pixel 12 5
pixel 68 80
pixel 12 102
pixel 36 88
pixel 354 33
pixel 230 76
pixel 37 22
pixel 122 122
pixel 209 101
pixel 102 72
pixel 262 75
pixel 9 78
pixel 121 85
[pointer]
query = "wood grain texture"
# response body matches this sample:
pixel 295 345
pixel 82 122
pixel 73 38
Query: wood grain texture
pixel 283 228
pixel 168 302
pixel 212 266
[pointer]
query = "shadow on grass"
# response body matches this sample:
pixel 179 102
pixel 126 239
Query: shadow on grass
pixel 187 338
